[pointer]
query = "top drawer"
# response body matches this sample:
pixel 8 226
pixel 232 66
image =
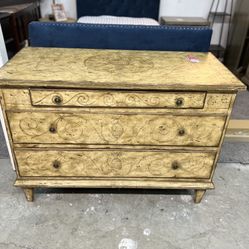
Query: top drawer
pixel 119 99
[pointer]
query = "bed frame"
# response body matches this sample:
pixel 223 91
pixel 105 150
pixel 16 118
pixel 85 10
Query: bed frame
pixel 126 37
pixel 131 37
pixel 128 8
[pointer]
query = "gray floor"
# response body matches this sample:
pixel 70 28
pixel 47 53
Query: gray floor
pixel 241 106
pixel 237 152
pixel 122 220
pixel 234 153
pixel 3 147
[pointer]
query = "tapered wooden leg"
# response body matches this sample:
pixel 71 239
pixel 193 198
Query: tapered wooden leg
pixel 29 193
pixel 199 195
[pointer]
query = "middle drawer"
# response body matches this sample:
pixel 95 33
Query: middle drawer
pixel 113 129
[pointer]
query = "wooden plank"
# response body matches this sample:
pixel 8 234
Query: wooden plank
pixel 238 131
pixel 184 21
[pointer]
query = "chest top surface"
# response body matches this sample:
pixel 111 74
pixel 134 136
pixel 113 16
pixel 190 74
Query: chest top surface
pixel 117 69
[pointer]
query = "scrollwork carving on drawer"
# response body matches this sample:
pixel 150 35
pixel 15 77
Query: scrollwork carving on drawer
pixel 121 99
pixel 140 129
pixel 17 99
pixel 107 163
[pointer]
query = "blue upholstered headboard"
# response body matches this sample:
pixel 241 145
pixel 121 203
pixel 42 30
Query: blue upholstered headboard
pixel 104 36
pixel 130 8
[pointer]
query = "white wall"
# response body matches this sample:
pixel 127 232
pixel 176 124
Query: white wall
pixel 185 8
pixel 3 60
pixel 194 8
pixel 168 7
pixel 197 8
pixel 3 53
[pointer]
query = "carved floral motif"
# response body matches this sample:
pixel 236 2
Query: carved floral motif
pixel 115 163
pixel 118 62
pixel 116 129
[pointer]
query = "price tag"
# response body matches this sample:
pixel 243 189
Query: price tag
pixel 193 59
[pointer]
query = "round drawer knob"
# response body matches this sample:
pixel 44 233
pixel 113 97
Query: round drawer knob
pixel 52 129
pixel 56 164
pixel 175 165
pixel 181 132
pixel 57 100
pixel 179 102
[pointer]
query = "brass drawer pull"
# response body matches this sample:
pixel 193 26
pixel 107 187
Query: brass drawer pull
pixel 56 164
pixel 175 165
pixel 57 100
pixel 181 132
pixel 179 102
pixel 52 129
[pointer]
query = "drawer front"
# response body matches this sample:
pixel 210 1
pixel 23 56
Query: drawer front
pixel 140 129
pixel 19 99
pixel 115 163
pixel 117 99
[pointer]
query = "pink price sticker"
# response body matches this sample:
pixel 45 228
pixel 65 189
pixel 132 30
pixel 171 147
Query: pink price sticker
pixel 193 59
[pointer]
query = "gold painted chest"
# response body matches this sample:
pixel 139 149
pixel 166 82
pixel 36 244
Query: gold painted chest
pixel 108 118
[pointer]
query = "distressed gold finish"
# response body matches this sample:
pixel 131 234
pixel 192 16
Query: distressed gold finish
pixel 52 128
pixel 199 195
pixel 112 183
pixel 115 163
pixel 218 101
pixel 108 118
pixel 117 99
pixel 114 69
pixel 29 193
pixel 19 99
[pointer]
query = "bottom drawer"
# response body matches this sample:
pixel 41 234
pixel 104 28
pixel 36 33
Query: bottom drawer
pixel 114 163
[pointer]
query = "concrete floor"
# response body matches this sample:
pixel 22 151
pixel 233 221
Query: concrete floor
pixel 126 219
pixel 241 106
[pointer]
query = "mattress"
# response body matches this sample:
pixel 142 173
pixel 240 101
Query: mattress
pixel 118 20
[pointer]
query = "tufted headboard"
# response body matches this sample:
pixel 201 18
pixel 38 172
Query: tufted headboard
pixel 128 37
pixel 129 8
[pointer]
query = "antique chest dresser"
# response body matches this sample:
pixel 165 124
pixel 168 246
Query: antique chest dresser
pixel 81 118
